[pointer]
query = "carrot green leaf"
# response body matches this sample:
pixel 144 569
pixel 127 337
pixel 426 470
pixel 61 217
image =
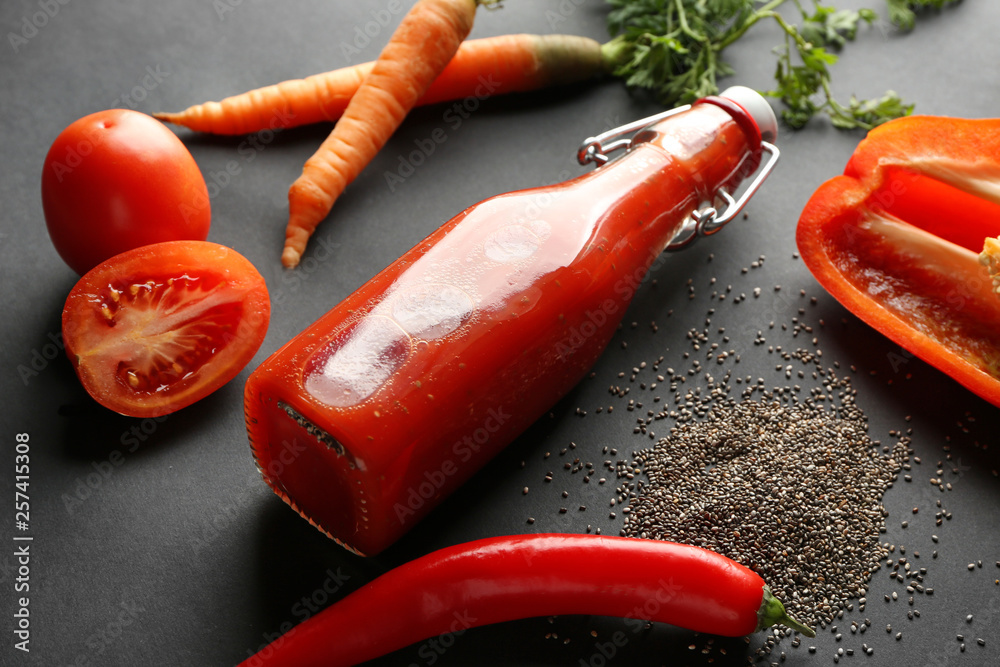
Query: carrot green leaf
pixel 674 49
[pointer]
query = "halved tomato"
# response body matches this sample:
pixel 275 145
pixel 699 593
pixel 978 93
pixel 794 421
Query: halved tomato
pixel 157 328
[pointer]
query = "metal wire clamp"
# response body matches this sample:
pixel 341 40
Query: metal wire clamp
pixel 702 222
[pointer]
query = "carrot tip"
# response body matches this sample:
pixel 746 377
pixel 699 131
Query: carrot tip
pixel 290 257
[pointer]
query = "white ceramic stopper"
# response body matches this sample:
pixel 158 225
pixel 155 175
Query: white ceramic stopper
pixel 758 108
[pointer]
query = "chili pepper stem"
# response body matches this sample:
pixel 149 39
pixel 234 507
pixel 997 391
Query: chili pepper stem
pixel 772 611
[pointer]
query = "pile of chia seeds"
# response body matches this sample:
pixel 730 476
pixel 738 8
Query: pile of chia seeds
pixel 783 479
pixel 790 489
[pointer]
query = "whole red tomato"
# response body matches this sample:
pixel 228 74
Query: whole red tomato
pixel 117 180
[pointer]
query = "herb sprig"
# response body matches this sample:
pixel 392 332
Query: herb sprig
pixel 674 48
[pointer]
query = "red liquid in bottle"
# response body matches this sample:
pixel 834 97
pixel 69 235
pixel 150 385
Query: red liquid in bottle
pixel 380 409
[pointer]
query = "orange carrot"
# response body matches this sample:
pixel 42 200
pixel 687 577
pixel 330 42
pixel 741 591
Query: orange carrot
pixel 426 39
pixel 504 64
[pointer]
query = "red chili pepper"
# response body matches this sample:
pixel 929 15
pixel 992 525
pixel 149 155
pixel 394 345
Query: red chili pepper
pixel 400 393
pixel 895 239
pixel 508 578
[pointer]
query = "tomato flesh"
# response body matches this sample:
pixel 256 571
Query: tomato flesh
pixel 166 351
pixel 160 327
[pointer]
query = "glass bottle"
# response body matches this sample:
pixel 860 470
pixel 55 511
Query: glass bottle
pixel 371 416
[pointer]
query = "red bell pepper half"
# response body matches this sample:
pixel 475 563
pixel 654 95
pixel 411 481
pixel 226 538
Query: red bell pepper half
pixel 896 240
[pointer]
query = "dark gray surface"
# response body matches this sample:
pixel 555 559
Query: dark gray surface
pixel 180 556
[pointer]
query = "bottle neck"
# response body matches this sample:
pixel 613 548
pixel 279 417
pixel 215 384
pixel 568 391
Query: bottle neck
pixel 672 168
pixel 715 141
